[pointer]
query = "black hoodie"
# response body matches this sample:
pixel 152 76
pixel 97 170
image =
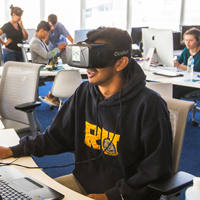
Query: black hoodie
pixel 136 148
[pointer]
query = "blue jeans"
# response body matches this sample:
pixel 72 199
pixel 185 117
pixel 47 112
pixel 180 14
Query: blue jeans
pixel 12 55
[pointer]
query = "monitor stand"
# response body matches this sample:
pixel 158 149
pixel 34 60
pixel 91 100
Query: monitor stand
pixel 147 60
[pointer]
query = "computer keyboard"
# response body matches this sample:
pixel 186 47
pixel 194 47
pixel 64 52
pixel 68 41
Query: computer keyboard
pixel 170 68
pixel 167 73
pixel 8 193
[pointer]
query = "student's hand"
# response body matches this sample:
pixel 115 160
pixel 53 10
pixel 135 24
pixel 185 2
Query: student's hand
pixel 98 196
pixel 176 64
pixel 5 152
pixel 21 23
pixel 62 46
pixel 8 41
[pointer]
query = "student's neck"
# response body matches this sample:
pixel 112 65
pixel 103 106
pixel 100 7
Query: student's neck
pixel 13 22
pixel 110 89
pixel 194 50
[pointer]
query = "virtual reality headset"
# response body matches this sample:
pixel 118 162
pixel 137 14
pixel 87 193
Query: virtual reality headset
pixel 95 55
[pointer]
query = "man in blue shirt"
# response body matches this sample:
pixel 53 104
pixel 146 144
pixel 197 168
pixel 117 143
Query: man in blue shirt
pixel 58 34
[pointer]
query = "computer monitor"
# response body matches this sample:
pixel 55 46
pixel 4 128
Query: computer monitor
pixel 177 41
pixel 31 33
pixel 184 28
pixel 162 42
pixel 136 34
pixel 80 35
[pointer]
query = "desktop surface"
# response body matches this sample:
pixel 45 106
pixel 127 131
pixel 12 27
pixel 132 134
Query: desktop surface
pixel 182 80
pixel 8 137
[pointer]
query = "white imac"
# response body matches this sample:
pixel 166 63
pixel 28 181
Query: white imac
pixel 80 35
pixel 158 44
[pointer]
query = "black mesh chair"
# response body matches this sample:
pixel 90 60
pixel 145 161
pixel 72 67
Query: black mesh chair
pixel 195 96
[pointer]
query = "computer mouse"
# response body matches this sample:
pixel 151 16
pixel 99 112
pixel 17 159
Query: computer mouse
pixel 160 65
pixel 51 199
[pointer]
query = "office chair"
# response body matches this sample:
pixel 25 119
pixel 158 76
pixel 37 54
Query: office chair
pixel 1 55
pixel 164 89
pixel 170 188
pixel 25 51
pixel 18 96
pixel 65 84
pixel 195 96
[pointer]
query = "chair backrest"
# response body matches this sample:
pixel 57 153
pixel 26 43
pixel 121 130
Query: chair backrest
pixel 164 89
pixel 1 55
pixel 19 84
pixel 178 116
pixel 24 53
pixel 65 83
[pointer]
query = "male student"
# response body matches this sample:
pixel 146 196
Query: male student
pixel 119 129
pixel 57 35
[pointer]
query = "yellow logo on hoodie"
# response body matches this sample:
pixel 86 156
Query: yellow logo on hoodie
pixel 94 139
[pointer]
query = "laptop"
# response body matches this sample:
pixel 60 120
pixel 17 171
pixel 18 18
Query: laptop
pixel 17 185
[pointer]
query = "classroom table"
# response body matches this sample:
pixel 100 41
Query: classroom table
pixel 182 80
pixel 150 76
pixel 49 75
pixel 8 137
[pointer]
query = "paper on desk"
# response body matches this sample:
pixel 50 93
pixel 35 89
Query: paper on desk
pixel 1 125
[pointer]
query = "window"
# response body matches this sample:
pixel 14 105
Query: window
pixel 89 14
pixel 191 12
pixel 105 13
pixel 156 14
pixel 68 13
pixel 3 13
pixel 31 15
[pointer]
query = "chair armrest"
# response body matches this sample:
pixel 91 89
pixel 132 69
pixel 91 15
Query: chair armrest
pixel 172 185
pixel 193 95
pixel 28 107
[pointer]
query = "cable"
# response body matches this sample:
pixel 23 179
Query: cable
pixel 75 163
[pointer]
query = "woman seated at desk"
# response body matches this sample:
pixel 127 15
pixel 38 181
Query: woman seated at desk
pixel 191 38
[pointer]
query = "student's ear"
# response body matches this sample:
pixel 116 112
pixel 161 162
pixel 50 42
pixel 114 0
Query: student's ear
pixel 122 63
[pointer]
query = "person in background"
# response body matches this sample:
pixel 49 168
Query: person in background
pixel 191 39
pixel 58 34
pixel 119 129
pixel 15 33
pixel 41 54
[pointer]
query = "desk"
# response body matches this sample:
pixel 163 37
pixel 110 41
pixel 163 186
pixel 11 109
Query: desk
pixel 150 76
pixel 8 137
pixel 174 80
pixel 82 71
pixel 53 73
